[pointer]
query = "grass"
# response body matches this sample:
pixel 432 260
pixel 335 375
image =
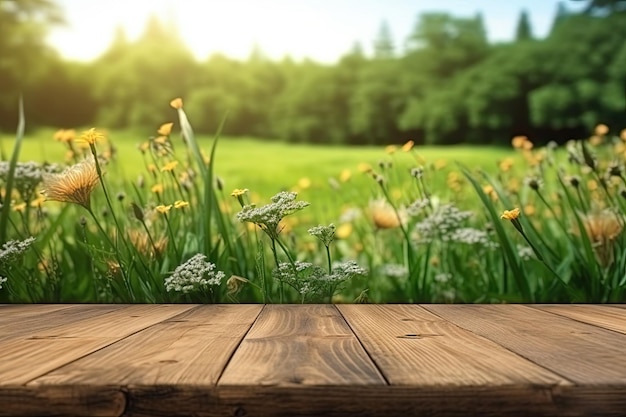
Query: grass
pixel 395 224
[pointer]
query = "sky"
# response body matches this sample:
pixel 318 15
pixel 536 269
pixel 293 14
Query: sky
pixel 322 30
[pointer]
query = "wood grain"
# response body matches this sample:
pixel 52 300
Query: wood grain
pixel 602 316
pixel 29 320
pixel 412 346
pixel 582 353
pixel 26 358
pixel 62 401
pixel 190 348
pixel 300 345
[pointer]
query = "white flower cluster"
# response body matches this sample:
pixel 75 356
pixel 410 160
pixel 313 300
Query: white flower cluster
pixel 441 223
pixel 417 207
pixel 310 280
pixel 471 236
pixel 13 248
pixel 525 252
pixel 269 216
pixel 394 270
pixel 326 234
pixel 27 174
pixel 195 274
pixel 2 281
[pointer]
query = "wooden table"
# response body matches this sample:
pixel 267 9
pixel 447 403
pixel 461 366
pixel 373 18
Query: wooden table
pixel 312 360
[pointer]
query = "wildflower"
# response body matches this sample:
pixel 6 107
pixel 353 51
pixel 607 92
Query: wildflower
pixel 20 207
pixel 506 164
pixel 573 180
pixel 169 166
pixel 408 146
pixel 417 172
pixel 471 236
pixel 441 223
pixel 91 136
pixel 165 129
pixel 325 234
pixel 490 192
pixel 510 214
pixel 417 207
pixel 440 164
pixel 533 182
pixel 364 167
pixel 37 203
pixel 391 149
pixel 344 231
pixel 157 188
pixel 529 210
pixel 524 252
pixel 13 248
pixel 195 274
pixel 394 271
pixel 163 209
pixel 146 246
pixel 239 193
pixel 622 135
pixel 601 129
pixel 74 185
pixel 602 228
pixel 2 281
pixel 383 215
pixel 269 216
pixel 345 175
pixel 177 103
pixel 143 147
pixel 614 169
pixel 443 277
pixel 592 185
pixel 179 204
pixel 304 183
pixel 519 141
pixel 234 284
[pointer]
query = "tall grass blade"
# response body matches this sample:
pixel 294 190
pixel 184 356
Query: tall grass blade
pixel 6 202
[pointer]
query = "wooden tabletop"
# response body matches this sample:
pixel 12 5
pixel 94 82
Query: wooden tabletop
pixel 313 360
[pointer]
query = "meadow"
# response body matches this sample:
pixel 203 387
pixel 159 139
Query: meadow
pixel 166 216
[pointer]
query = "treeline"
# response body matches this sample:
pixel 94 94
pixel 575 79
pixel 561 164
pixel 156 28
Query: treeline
pixel 447 85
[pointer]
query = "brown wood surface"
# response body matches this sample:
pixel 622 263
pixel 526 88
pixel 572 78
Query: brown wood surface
pixel 300 345
pixel 190 348
pixel 580 352
pixel 312 360
pixel 601 316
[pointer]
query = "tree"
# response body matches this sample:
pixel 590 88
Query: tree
pixel 604 6
pixel 23 52
pixel 523 32
pixel 383 44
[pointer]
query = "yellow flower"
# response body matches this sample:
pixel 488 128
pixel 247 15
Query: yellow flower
pixel 491 192
pixel 345 175
pixel 178 204
pixel 510 214
pixel 518 141
pixel 74 185
pixel 157 188
pixel 440 164
pixel 38 201
pixel 91 136
pixel 622 134
pixel 144 147
pixel 592 185
pixel 165 129
pixel 506 164
pixel 19 207
pixel 364 167
pixel 304 183
pixel 601 129
pixel 383 215
pixel 163 209
pixel 391 149
pixel 177 103
pixel 408 146
pixel 596 140
pixel 343 231
pixel 169 166
pixel 529 210
pixel 602 227
pixel 65 135
pixel 239 192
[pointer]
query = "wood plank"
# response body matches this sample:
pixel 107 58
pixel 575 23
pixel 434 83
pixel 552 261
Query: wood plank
pixel 599 315
pixel 372 401
pixel 62 401
pixel 29 320
pixel 10 311
pixel 412 346
pixel 300 345
pixel 582 353
pixel 24 359
pixel 191 348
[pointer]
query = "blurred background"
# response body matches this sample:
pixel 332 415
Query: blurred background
pixel 328 72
